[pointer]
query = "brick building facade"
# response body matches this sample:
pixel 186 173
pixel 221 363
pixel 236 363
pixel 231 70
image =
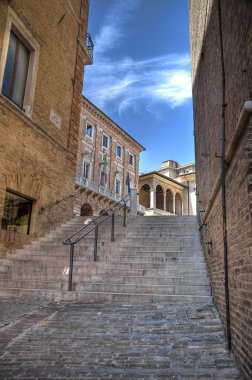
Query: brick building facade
pixel 221 49
pixel 107 157
pixel 42 56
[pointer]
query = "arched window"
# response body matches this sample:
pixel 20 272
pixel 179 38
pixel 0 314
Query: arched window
pixel 86 210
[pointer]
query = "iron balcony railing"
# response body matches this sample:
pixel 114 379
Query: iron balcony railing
pixel 94 225
pixel 84 182
pixel 90 48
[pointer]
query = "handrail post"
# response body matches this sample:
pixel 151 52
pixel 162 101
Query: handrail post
pixel 113 227
pixel 124 214
pixel 96 243
pixel 70 277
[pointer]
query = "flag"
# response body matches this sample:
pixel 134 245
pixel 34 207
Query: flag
pixel 127 182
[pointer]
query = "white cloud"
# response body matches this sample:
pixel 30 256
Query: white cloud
pixel 115 85
pixel 119 84
pixel 119 13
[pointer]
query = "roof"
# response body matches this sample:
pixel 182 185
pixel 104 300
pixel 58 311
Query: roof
pixel 112 121
pixel 163 176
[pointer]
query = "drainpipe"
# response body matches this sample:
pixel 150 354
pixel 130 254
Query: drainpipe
pixel 223 182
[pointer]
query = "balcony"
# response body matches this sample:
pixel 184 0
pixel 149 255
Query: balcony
pixel 89 49
pixel 101 190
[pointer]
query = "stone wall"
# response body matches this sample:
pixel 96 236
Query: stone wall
pixel 207 78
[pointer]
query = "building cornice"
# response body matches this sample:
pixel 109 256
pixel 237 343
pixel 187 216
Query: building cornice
pixel 156 174
pixel 110 123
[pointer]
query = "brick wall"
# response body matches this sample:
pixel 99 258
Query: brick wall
pixel 37 159
pixel 207 97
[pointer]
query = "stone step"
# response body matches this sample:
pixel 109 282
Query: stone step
pixel 143 280
pixel 105 265
pixel 34 284
pixel 105 296
pixel 144 272
pixel 203 290
pixel 114 257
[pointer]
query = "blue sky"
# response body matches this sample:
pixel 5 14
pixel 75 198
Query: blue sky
pixel 141 74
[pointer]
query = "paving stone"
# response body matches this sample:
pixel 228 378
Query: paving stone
pixel 112 340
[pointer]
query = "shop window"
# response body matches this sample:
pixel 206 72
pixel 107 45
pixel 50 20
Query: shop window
pixel 17 213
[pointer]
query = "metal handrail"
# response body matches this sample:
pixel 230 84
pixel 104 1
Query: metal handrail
pixel 91 226
pixel 42 209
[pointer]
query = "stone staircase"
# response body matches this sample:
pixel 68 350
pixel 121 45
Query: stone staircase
pixel 152 259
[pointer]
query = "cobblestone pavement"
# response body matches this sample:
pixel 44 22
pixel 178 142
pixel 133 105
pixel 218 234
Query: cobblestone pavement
pixel 112 341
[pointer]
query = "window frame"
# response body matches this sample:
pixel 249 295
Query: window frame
pixel 117 180
pixel 133 160
pixel 104 134
pixel 121 150
pixel 25 35
pixel 86 161
pixel 88 124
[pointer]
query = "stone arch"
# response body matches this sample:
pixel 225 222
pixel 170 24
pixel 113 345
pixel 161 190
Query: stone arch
pixel 144 196
pixel 169 200
pixel 160 197
pixel 178 204
pixel 86 210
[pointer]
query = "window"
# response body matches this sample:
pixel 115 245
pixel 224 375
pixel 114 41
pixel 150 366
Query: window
pixel 19 60
pixel 89 131
pixel 105 141
pixel 131 159
pixel 16 70
pixel 119 151
pixel 17 213
pixel 86 170
pixel 117 186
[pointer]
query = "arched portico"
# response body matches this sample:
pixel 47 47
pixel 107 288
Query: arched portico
pixel 144 196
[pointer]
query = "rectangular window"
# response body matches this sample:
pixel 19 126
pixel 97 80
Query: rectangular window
pixel 131 159
pixel 119 151
pixel 89 131
pixel 105 141
pixel 86 170
pixel 16 70
pixel 118 187
pixel 17 213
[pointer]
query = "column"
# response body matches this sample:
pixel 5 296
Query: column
pixel 152 198
pixel 165 201
pixel 174 205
